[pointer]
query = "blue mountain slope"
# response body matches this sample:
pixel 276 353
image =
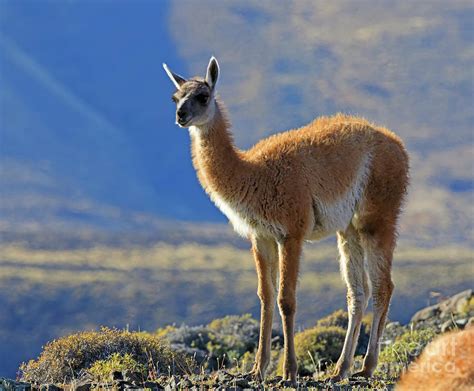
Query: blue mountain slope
pixel 82 91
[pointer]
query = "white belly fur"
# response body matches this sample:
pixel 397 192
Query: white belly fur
pixel 334 217
pixel 245 223
pixel 338 215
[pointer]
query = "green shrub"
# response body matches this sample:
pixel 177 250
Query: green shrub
pixel 232 336
pixel 395 358
pixel 64 359
pixel 221 343
pixel 164 331
pixel 340 318
pixel 468 308
pixel 101 369
pixel 316 347
pixel 189 340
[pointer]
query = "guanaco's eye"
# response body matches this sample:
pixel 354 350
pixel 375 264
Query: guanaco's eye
pixel 202 98
pixel 174 99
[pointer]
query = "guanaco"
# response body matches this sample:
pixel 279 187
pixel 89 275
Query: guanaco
pixel 337 175
pixel 445 364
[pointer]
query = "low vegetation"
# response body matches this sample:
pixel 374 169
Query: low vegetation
pixel 395 358
pixel 99 352
pixel 218 352
pixel 316 348
pixel 340 319
pixel 220 344
pixel 218 355
pixel 102 369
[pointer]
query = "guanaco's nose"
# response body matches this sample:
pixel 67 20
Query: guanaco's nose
pixel 181 114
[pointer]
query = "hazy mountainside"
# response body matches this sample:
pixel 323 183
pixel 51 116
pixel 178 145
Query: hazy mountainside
pixel 90 107
pixel 93 116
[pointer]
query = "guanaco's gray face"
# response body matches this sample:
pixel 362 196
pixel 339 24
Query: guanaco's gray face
pixel 194 98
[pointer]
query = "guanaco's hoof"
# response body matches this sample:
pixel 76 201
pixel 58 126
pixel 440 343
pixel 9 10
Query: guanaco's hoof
pixel 337 377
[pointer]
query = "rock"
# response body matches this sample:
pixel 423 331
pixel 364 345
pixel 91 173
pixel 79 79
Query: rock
pixel 152 385
pixel 392 325
pixel 456 303
pixel 285 384
pixel 426 313
pixel 446 326
pixel 81 386
pixel 452 306
pixel 132 376
pixel 116 375
pixel 130 386
pixel 240 382
pixel 50 387
pixel 121 384
pixel 104 386
pixel 461 323
pixel 470 322
pixel 11 385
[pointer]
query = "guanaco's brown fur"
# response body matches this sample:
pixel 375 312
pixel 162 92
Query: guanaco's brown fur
pixel 338 175
pixel 445 364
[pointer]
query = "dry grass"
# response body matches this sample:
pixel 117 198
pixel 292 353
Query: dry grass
pixel 65 359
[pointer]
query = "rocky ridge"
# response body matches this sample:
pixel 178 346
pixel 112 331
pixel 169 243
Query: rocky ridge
pixel 456 312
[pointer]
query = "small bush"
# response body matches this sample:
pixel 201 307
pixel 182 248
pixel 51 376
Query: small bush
pixel 395 358
pixel 221 343
pixel 316 347
pixel 232 336
pixel 102 369
pixel 164 331
pixel 340 318
pixel 189 340
pixel 66 358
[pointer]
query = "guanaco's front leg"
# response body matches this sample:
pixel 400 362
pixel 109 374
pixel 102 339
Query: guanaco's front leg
pixel 289 258
pixel 266 260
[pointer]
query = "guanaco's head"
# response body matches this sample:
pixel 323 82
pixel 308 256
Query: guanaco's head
pixel 194 98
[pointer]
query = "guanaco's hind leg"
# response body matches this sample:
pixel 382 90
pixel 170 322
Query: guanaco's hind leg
pixel 265 253
pixel 289 254
pixel 354 274
pixel 378 246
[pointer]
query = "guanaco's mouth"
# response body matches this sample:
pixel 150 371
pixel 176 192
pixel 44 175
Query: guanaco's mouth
pixel 182 123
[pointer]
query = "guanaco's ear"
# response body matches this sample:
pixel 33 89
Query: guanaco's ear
pixel 177 80
pixel 212 72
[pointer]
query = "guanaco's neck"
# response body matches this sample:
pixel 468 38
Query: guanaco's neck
pixel 218 162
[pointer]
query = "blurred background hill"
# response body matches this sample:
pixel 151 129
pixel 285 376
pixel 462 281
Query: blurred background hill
pixel 102 220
